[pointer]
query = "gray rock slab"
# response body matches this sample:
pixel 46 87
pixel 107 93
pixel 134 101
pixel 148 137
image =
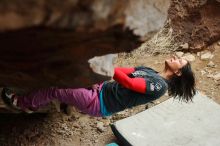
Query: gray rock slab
pixel 174 123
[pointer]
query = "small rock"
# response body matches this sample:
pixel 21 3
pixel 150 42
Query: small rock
pixel 107 122
pixel 203 72
pixel 185 46
pixel 96 140
pixel 198 54
pixel 207 56
pixel 179 54
pixel 210 76
pixel 157 102
pixel 216 76
pixel 189 57
pixel 122 112
pixel 76 126
pixel 149 105
pixel 146 107
pixel 70 133
pixel 216 46
pixel 100 126
pixel 211 64
pixel 218 43
pixel 64 127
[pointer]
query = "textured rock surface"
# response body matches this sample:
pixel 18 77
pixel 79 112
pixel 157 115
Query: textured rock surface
pixel 103 64
pixel 39 57
pixel 195 22
pixel 145 17
pixel 192 25
pixel 48 43
pixel 142 15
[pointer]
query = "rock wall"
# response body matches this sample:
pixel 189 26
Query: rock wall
pixel 142 16
pixel 195 22
pixel 49 42
pixel 191 26
pixel 39 57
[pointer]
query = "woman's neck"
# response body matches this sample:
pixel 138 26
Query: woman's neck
pixel 166 74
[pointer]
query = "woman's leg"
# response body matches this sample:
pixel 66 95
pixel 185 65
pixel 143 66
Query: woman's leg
pixel 86 100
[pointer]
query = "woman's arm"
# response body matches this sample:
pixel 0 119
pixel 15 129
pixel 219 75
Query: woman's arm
pixel 135 84
pixel 126 70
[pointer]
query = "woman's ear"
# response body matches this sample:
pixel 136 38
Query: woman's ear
pixel 178 73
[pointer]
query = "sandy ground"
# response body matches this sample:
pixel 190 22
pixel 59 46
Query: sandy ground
pixel 77 129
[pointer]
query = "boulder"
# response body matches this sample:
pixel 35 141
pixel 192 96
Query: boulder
pixel 211 64
pixel 100 127
pixel 103 64
pixel 189 57
pixel 207 56
pixel 185 46
pixel 216 76
pixel 179 54
pixel 85 15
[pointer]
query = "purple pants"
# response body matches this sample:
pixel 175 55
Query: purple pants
pixel 84 99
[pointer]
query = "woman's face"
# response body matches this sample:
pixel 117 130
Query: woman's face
pixel 174 64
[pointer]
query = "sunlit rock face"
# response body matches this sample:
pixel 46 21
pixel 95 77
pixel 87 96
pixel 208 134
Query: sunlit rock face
pixel 193 21
pixel 103 64
pixel 142 16
pixel 145 17
pixel 49 42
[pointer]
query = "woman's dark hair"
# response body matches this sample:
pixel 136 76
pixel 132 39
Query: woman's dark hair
pixel 183 86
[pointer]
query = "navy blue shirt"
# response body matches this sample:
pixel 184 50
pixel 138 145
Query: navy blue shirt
pixel 117 98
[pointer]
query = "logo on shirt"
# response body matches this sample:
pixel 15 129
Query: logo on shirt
pixel 151 87
pixel 156 86
pixel 139 73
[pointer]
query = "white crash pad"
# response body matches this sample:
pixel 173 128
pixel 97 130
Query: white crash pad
pixel 173 123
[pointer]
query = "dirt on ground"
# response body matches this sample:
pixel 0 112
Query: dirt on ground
pixel 77 129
